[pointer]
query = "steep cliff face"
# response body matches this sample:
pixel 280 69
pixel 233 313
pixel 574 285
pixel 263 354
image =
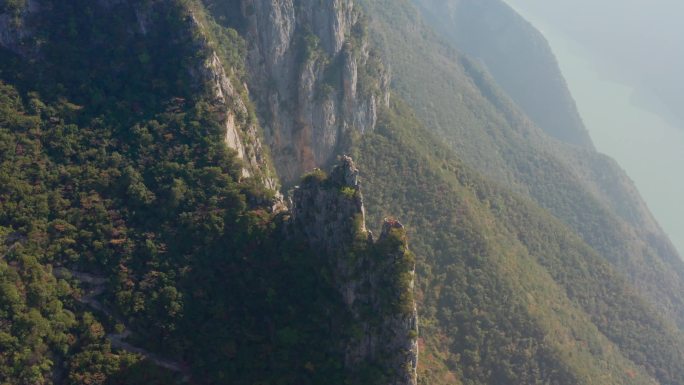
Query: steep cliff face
pixel 204 98
pixel 375 278
pixel 242 133
pixel 305 61
pixel 310 70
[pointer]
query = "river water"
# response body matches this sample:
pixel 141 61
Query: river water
pixel 644 143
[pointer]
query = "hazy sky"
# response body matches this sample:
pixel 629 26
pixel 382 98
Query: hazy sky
pixel 609 51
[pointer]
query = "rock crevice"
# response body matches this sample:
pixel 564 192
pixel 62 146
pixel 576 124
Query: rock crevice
pixel 242 132
pixel 305 60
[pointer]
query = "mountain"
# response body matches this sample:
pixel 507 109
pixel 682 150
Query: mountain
pixel 166 216
pixel 518 58
pixel 614 35
pixel 146 243
pixel 617 106
pixel 587 190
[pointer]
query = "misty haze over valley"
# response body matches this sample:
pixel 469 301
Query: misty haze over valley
pixel 337 192
pixel 622 61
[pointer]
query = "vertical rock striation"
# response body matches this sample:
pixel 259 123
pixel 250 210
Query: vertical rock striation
pixel 374 279
pixel 242 134
pixel 306 59
pixel 231 98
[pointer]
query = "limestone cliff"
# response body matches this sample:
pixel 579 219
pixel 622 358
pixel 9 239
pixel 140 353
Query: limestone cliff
pixel 374 278
pixel 242 131
pixel 315 78
pixel 311 72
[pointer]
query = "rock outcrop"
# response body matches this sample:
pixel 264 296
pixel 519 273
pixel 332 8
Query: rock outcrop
pixel 374 278
pixel 242 132
pixel 306 59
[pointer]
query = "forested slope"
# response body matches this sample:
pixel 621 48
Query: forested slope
pixel 459 101
pixel 143 239
pixel 516 55
pixel 142 242
pixel 507 293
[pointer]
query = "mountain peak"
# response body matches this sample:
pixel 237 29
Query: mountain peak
pixel 330 212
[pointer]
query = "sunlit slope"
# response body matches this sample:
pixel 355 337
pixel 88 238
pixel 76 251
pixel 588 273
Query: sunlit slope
pixel 507 293
pixel 463 105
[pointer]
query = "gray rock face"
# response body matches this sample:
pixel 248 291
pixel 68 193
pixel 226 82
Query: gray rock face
pixel 328 217
pixel 305 57
pixel 242 134
pixel 330 214
pixel 16 29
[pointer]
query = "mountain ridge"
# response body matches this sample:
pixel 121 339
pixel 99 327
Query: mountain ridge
pixel 504 145
pixel 165 193
pixel 523 267
pixel 493 34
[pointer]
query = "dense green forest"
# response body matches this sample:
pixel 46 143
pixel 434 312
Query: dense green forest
pixel 459 101
pixel 137 247
pixel 200 273
pixel 132 182
pixel 483 253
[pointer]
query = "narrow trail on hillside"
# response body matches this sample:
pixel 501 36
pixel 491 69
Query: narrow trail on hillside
pixel 96 288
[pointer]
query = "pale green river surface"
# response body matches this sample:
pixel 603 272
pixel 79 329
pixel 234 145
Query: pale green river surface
pixel 643 143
